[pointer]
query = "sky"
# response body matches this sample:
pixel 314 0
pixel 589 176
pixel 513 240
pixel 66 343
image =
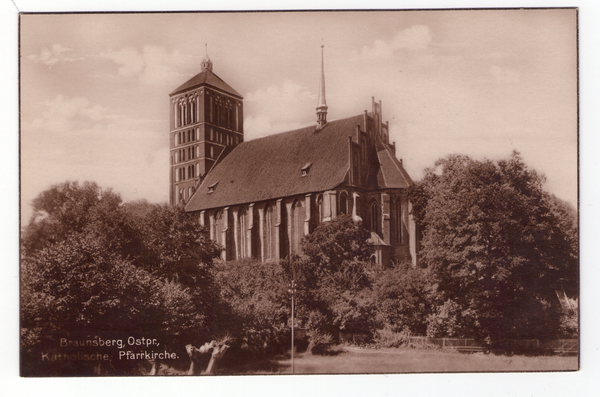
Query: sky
pixel 94 87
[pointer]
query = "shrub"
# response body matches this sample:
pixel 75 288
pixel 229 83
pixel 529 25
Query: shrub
pixel 319 343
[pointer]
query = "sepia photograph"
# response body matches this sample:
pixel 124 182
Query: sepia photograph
pixel 299 192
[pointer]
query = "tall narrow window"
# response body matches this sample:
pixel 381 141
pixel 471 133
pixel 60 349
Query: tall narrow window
pixel 320 209
pixel 374 216
pixel 242 241
pixel 298 214
pixel 343 204
pixel 398 211
pixel 269 230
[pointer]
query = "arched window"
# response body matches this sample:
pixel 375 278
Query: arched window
pixel 198 169
pixel 343 204
pixel 374 216
pixel 398 220
pixel 298 215
pixel 269 230
pixel 212 152
pixel 241 234
pixel 189 192
pixel 320 209
pixel 219 225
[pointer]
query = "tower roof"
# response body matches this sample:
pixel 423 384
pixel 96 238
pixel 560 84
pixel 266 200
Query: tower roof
pixel 322 100
pixel 206 77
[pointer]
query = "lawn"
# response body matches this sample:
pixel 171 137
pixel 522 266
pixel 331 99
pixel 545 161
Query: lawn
pixel 354 360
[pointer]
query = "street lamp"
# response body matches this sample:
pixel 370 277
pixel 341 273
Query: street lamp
pixel 292 290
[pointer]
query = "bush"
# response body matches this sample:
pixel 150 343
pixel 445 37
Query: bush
pixel 385 338
pixel 319 343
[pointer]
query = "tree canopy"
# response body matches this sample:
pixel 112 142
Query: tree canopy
pixel 498 246
pixel 92 265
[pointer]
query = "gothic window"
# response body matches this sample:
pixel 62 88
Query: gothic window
pixel 343 204
pixel 298 215
pixel 398 220
pixel 241 233
pixel 211 134
pixel 320 209
pixel 269 230
pixel 198 169
pixel 374 216
pixel 212 152
pixel 189 192
pixel 219 225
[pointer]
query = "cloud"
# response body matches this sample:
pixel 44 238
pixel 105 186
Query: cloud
pixel 288 92
pixel 417 37
pixel 64 114
pixel 262 125
pixel 53 55
pixel 504 75
pixel 277 108
pixel 151 64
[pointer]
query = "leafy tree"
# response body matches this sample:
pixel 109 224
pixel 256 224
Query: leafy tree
pixel 498 246
pixel 402 298
pixel 257 299
pixel 335 276
pixel 92 265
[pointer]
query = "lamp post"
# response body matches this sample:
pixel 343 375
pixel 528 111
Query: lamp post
pixel 292 291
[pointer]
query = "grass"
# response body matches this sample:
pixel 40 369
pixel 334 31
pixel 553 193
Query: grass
pixel 355 360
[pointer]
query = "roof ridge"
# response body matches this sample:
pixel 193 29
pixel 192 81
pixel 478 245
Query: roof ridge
pixel 303 128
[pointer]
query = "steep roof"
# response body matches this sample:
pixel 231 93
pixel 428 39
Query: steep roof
pixel 271 167
pixel 391 172
pixel 206 77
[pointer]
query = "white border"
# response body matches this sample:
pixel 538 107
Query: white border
pixel 530 384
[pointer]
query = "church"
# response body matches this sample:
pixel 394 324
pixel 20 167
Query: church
pixel 260 197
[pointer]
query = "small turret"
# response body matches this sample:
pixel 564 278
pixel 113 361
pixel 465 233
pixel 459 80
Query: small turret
pixel 206 62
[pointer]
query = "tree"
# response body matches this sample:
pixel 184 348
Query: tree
pixel 498 246
pixel 91 265
pixel 402 298
pixel 335 276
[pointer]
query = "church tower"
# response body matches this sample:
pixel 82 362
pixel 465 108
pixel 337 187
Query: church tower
pixel 206 119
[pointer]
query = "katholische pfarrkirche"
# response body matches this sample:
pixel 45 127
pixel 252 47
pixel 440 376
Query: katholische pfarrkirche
pixel 260 197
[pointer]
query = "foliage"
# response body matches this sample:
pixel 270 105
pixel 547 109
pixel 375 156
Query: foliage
pixel 258 301
pixel 334 277
pixel 402 298
pixel 498 246
pixel 92 266
pixel 338 251
pixel 319 343
pixel 387 337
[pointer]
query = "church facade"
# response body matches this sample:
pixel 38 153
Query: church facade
pixel 260 197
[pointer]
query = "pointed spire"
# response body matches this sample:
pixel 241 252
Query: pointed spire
pixel 322 105
pixel 206 63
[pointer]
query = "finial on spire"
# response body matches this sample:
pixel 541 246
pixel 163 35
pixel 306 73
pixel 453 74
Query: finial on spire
pixel 322 105
pixel 206 63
